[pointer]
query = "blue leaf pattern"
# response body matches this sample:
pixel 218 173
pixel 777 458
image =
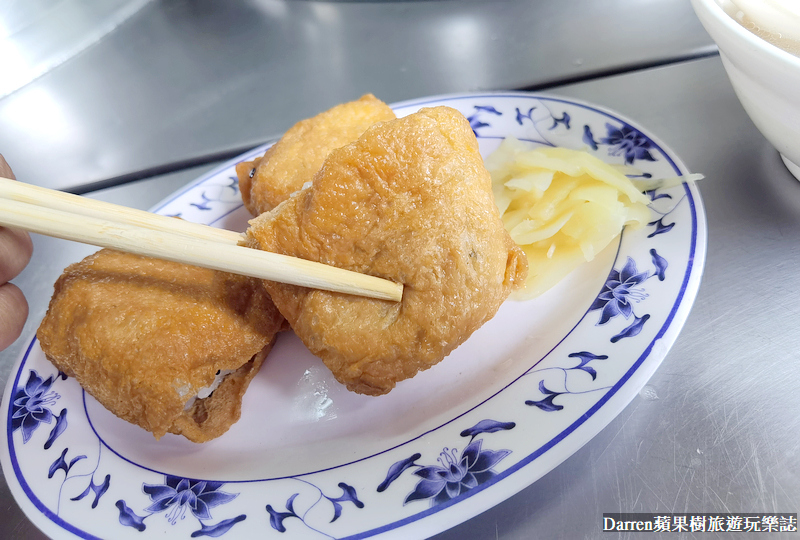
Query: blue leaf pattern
pixel 98 489
pixel 129 518
pixel 397 469
pixel 487 426
pixel 61 464
pixel 661 228
pixel 656 196
pixel 564 120
pixel 660 263
pixel 588 138
pixel 276 518
pixel 349 494
pixel 632 330
pixel 219 529
pixel 585 358
pixel 547 403
pixel 58 429
pixel 476 123
pixel 521 116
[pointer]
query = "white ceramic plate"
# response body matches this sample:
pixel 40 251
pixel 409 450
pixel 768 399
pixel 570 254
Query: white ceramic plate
pixel 311 460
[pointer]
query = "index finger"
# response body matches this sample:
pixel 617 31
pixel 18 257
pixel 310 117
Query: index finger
pixel 15 246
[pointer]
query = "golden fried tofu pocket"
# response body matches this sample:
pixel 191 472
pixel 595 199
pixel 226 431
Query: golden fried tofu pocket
pixel 409 201
pixel 163 345
pixel 291 162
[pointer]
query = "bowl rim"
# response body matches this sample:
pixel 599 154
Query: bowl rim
pixel 715 12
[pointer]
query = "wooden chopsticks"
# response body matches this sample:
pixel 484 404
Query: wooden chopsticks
pixel 71 217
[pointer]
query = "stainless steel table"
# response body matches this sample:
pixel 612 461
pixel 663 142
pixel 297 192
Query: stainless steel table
pixel 183 81
pixel 717 430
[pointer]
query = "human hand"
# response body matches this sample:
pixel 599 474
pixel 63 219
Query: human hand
pixel 15 252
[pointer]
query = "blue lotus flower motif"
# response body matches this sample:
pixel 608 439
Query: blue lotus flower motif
pixel 456 474
pixel 31 405
pixel 179 494
pixel 628 141
pixel 620 291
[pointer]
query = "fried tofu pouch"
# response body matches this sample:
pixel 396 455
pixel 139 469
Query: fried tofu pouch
pixel 145 336
pixel 409 201
pixel 298 155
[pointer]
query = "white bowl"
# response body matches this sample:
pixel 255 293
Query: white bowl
pixel 765 78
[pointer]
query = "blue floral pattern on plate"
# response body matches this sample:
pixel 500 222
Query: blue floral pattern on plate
pixel 276 518
pixel 622 140
pixel 458 471
pixel 31 407
pixel 485 414
pixel 176 496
